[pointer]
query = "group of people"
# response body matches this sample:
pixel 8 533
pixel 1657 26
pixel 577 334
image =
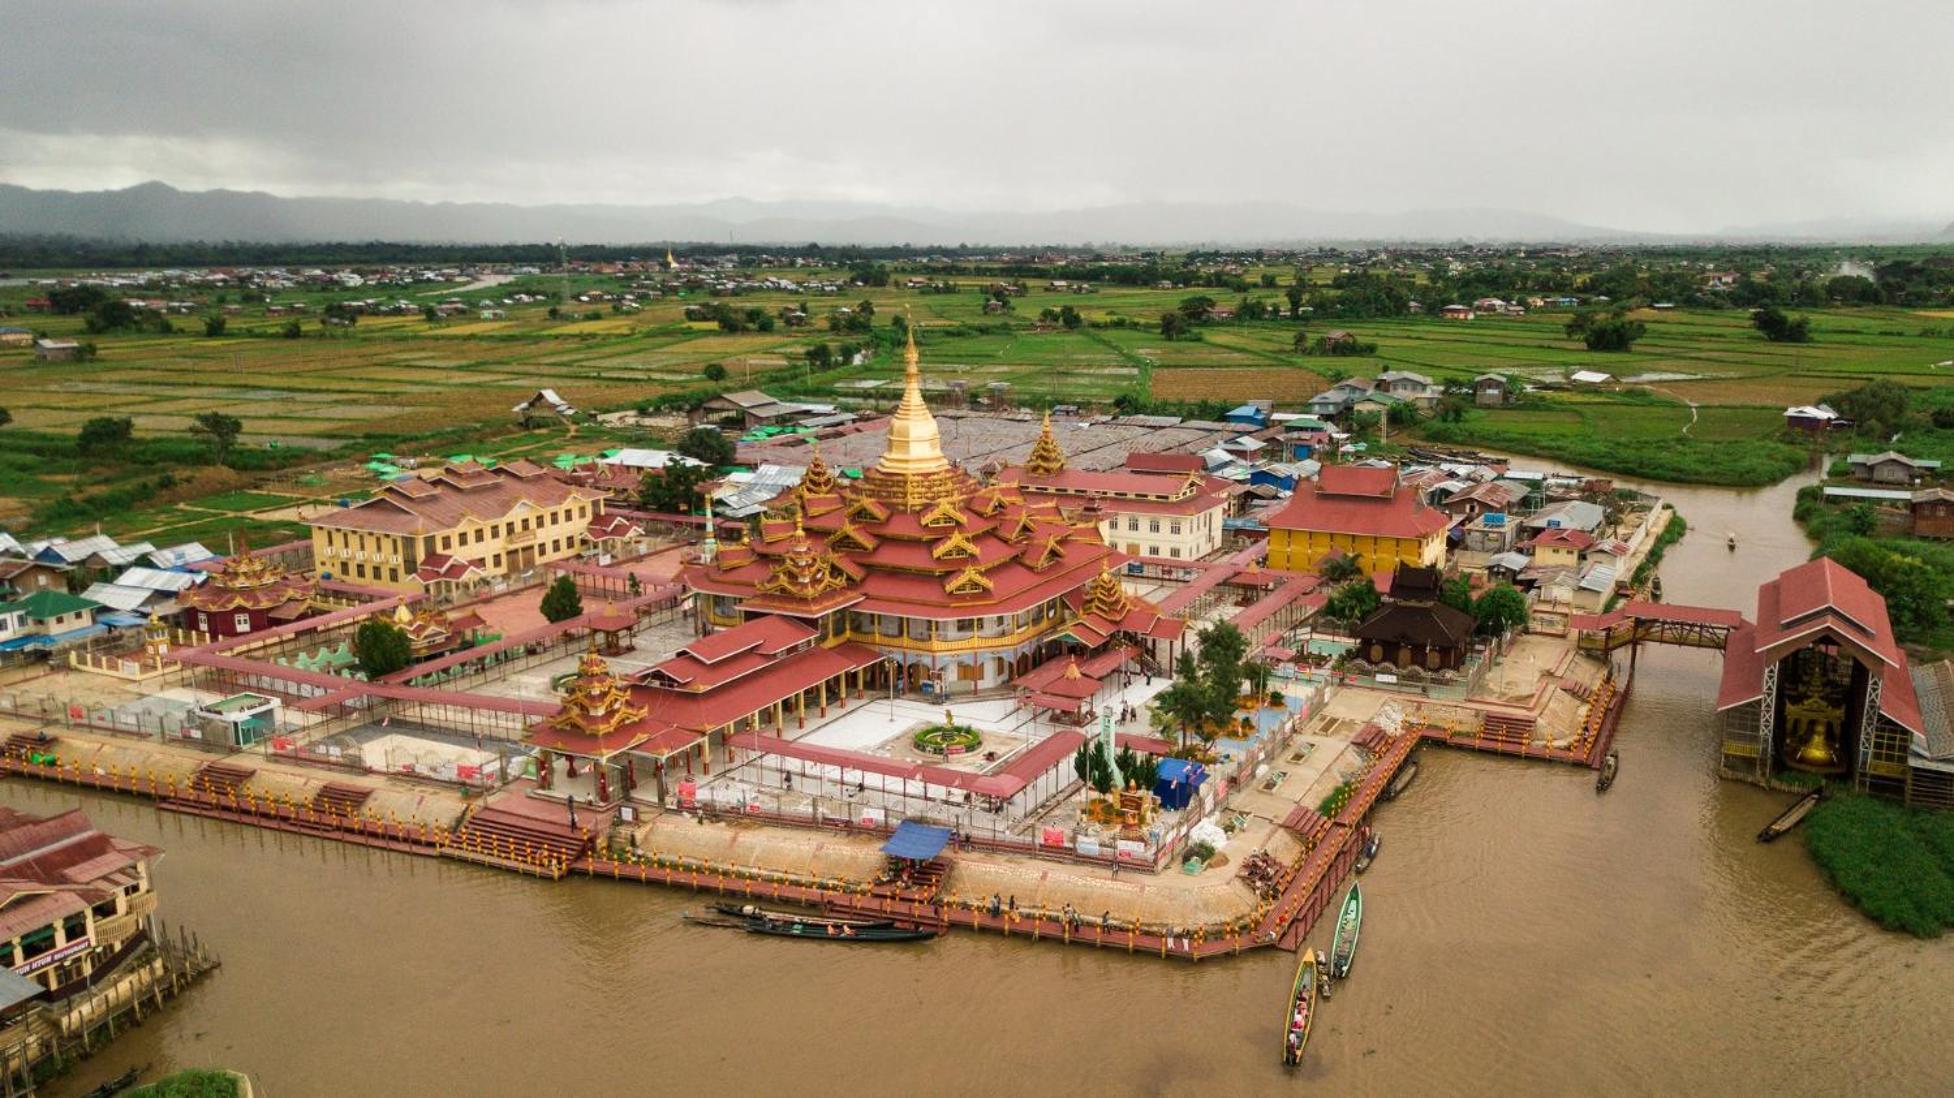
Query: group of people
pixel 1263 873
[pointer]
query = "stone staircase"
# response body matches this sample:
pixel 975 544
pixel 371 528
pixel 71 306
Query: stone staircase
pixel 512 840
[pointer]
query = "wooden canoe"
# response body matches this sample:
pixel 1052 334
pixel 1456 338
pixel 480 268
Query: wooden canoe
pixel 753 911
pixel 1400 781
pixel 1792 816
pixel 1610 766
pixel 1300 1012
pixel 1343 947
pixel 1369 854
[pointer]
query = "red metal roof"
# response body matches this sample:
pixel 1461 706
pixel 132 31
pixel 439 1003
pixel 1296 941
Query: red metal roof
pixel 1357 480
pixel 1394 514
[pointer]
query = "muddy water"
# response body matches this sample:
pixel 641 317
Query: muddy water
pixel 1523 936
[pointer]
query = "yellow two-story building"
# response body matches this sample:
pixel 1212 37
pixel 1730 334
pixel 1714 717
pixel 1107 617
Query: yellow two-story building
pixel 1361 512
pixel 464 524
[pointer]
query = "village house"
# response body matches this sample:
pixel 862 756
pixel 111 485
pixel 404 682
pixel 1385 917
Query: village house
pixel 15 337
pixel 1481 498
pixel 1456 312
pixel 56 350
pixel 1405 385
pixel 1931 513
pixel 544 408
pixel 1362 512
pixel 18 577
pixel 1338 398
pixel 1891 467
pixel 1491 391
pixel 46 620
pixel 1560 547
pixel 501 522
pixel 71 898
pixel 1813 418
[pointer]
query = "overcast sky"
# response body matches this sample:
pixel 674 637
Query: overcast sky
pixel 1658 116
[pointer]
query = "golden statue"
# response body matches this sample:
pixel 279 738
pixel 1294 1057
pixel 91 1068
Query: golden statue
pixel 1817 720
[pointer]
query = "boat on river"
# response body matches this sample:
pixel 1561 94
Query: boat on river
pixel 1400 781
pixel 1610 765
pixel 1792 816
pixel 754 911
pixel 117 1085
pixel 1343 947
pixel 814 928
pixel 1301 1011
pixel 1369 853
pixel 1732 541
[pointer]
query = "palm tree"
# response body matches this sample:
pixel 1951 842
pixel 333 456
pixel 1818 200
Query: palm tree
pixel 1341 568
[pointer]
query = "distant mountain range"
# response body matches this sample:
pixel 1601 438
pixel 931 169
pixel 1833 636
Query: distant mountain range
pixel 157 212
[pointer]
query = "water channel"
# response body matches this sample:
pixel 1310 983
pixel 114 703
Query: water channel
pixel 1523 936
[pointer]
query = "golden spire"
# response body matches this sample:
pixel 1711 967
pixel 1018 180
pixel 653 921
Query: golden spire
pixel 1046 457
pixel 915 442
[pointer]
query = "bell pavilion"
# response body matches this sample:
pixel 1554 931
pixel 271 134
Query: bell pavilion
pixel 961 586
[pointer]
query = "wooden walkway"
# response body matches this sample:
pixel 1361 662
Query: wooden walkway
pixel 521 845
pixel 1514 738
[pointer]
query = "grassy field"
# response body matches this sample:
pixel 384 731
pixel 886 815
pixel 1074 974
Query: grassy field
pixel 1700 398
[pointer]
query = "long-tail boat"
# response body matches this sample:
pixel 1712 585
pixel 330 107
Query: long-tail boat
pixel 754 911
pixel 1369 853
pixel 1343 947
pixel 1400 781
pixel 1301 1011
pixel 814 929
pixel 1793 816
pixel 1610 765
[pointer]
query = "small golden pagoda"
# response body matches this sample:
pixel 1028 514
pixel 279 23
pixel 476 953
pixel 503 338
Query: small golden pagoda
pixel 1106 595
pixel 912 472
pixel 1046 459
pixel 805 571
pixel 596 703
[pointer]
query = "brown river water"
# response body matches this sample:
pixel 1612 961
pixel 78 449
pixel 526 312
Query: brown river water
pixel 1523 936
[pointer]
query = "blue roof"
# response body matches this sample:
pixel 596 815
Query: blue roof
pixel 917 842
pixel 1180 770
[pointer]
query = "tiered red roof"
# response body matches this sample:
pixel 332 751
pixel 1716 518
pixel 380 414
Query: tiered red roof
pixel 58 866
pixel 250 582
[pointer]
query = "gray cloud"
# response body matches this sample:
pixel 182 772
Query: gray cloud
pixel 1658 116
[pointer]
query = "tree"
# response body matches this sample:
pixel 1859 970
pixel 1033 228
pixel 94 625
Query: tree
pixel 1609 332
pixel 1223 647
pixel 1878 408
pixel 820 357
pixel 105 434
pixel 1294 295
pixel 707 444
pixel 221 429
pixel 1341 568
pixel 1456 593
pixel 562 602
pixel 1197 308
pixel 1500 609
pixel 430 314
pixel 673 490
pixel 1779 328
pixel 1353 602
pixel 292 330
pixel 1299 342
pixel 1173 325
pixel 1915 598
pixel 109 315
pixel 214 325
pixel 381 647
pixel 1069 318
pixel 714 372
pixel 71 300
pixel 6 417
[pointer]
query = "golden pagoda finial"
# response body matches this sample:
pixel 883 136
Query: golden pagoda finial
pixel 1047 458
pixel 915 441
pixel 911 361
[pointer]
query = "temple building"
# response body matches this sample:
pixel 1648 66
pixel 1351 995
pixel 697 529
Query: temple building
pixel 1819 685
pixel 246 594
pixel 464 524
pixel 963 587
pixel 1144 513
pixel 1413 628
pixel 760 676
pixel 1363 512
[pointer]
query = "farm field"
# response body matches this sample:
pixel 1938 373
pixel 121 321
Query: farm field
pixel 1698 398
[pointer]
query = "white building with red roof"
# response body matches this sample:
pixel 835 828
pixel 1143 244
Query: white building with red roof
pixel 1170 515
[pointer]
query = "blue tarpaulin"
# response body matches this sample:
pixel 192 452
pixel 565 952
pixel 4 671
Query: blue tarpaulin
pixel 1176 781
pixel 917 842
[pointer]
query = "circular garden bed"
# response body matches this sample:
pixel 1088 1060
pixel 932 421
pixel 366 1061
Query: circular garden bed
pixel 948 739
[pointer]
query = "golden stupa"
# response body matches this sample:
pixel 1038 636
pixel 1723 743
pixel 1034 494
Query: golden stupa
pixel 912 472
